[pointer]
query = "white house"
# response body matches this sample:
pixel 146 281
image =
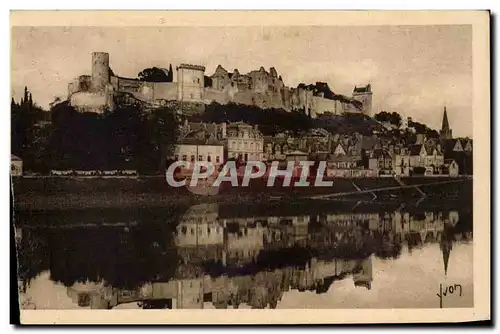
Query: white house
pixel 244 142
pixel 16 165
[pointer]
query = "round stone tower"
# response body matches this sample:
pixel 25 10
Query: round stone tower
pixel 100 70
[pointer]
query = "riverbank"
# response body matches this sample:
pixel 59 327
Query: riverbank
pixel 81 193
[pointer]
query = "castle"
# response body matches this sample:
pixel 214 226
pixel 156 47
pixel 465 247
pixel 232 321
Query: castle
pixel 97 92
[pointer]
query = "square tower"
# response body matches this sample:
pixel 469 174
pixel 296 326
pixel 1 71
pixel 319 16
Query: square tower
pixel 364 95
pixel 190 83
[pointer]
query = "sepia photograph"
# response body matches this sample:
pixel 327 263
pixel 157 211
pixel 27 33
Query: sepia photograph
pixel 309 167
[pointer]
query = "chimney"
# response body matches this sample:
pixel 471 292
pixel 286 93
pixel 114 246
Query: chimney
pixel 224 130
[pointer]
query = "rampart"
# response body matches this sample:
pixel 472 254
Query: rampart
pixel 144 90
pixel 257 88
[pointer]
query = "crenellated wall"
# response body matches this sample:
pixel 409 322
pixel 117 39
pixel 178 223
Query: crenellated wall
pixel 261 88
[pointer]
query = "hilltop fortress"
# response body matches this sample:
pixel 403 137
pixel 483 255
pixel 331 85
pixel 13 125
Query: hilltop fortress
pixel 193 89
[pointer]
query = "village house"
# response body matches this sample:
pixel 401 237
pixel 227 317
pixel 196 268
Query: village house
pixel 278 146
pixel 381 161
pixel 451 168
pixel 200 142
pixel 16 165
pixel 315 140
pixel 244 142
pixel 401 162
pixel 429 157
pixel 297 156
pixel 457 145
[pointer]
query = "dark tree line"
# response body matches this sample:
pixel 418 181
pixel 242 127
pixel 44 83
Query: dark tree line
pixel 124 258
pixel 26 134
pixel 270 121
pixel 126 138
pixel 393 118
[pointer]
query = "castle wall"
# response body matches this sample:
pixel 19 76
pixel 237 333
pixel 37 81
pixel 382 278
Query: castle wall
pixel 220 82
pixel 322 105
pixel 215 95
pixel 247 97
pixel 146 91
pixel 72 88
pixel 165 91
pixel 259 81
pixel 89 101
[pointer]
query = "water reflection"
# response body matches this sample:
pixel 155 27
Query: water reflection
pixel 213 256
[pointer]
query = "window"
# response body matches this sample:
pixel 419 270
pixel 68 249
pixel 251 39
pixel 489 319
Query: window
pixel 192 158
pixel 246 144
pixel 192 231
pixel 184 158
pixel 233 145
pixel 209 158
pixel 198 80
pixel 208 230
pixel 200 158
pixel 83 299
pixel 217 159
pixel 176 157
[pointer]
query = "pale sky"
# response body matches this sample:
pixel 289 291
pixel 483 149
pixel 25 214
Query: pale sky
pixel 413 70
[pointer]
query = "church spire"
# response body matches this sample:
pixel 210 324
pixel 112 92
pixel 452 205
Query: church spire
pixel 445 126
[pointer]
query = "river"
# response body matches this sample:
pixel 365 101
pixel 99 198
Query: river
pixel 320 254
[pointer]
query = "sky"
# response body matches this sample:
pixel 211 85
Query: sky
pixel 413 70
pixel 411 281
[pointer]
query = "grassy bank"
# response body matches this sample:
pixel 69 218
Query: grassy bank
pixel 75 193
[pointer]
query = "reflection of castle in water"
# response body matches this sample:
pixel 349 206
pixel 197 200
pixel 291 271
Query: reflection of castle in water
pixel 230 261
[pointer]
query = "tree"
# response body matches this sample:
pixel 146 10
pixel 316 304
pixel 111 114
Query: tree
pixel 25 134
pixel 154 74
pixel 207 81
pixel 125 138
pixel 25 99
pixel 393 118
pixel 396 119
pixel 170 74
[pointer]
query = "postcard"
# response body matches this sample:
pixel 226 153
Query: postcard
pixel 263 167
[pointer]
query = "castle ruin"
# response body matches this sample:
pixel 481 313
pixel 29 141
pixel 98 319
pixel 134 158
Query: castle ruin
pixel 97 92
